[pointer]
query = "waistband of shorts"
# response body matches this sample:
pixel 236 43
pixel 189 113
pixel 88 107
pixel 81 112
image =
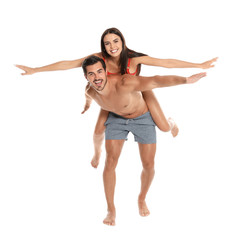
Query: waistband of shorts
pixel 141 116
pixel 144 119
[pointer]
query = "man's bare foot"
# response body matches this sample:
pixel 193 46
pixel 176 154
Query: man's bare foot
pixel 110 219
pixel 95 160
pixel 143 210
pixel 174 128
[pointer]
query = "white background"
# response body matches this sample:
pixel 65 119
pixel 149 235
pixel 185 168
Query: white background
pixel 48 188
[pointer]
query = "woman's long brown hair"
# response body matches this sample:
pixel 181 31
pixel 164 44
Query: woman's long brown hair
pixel 126 53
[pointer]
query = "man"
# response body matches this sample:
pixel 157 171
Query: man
pixel 121 96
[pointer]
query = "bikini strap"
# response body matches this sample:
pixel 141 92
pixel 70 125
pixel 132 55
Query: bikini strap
pixel 128 68
pixel 128 65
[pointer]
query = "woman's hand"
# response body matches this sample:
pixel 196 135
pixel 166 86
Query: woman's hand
pixel 28 70
pixel 208 64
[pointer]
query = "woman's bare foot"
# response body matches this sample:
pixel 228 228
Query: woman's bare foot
pixel 95 159
pixel 174 128
pixel 143 210
pixel 110 219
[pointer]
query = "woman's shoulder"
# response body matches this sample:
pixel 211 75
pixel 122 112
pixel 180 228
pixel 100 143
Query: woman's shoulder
pixel 139 60
pixel 147 60
pixel 94 54
pixel 98 54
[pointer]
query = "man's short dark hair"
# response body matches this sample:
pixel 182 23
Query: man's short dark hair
pixel 92 60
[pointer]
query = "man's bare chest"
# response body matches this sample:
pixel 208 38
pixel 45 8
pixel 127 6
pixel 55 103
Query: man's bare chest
pixel 115 102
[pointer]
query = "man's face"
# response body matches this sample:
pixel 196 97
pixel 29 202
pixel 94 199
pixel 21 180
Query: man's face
pixel 96 75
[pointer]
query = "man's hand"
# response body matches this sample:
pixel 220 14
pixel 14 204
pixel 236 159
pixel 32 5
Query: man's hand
pixel 208 64
pixel 86 107
pixel 196 77
pixel 28 70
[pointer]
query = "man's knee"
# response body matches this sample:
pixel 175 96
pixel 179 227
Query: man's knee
pixel 111 162
pixel 148 164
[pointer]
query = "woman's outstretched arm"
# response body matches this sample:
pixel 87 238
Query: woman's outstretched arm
pixel 61 65
pixel 173 63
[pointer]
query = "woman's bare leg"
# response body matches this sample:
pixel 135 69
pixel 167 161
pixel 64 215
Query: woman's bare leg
pixel 98 137
pixel 157 114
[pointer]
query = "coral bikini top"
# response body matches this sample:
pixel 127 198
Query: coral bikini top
pixel 127 70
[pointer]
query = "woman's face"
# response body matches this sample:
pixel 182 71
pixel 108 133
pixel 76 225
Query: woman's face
pixel 113 44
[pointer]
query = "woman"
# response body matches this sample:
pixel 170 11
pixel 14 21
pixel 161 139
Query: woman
pixel 121 60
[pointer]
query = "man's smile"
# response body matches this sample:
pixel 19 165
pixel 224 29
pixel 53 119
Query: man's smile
pixel 98 82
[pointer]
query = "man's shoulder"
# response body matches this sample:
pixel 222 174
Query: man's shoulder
pixel 90 91
pixel 126 79
pixel 127 83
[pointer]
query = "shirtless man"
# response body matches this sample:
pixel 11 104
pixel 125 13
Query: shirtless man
pixel 121 96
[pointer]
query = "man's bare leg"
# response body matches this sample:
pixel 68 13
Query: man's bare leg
pixel 98 137
pixel 147 153
pixel 113 150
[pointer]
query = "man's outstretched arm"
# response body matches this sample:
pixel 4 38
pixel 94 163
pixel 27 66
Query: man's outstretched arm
pixel 138 83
